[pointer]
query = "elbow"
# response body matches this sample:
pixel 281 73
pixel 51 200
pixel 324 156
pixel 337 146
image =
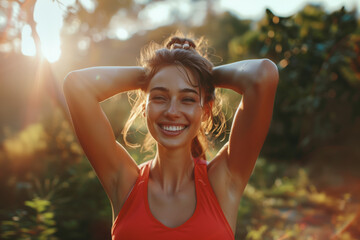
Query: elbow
pixel 71 81
pixel 69 78
pixel 267 75
pixel 269 71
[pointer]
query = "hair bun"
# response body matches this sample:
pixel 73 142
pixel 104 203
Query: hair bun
pixel 176 42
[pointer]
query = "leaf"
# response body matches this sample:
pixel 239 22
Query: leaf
pixel 48 215
pixel 9 223
pixel 49 231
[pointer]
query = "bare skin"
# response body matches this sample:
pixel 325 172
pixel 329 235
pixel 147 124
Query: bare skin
pixel 171 180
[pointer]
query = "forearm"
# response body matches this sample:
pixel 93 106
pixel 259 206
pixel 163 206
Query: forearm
pixel 242 75
pixel 105 82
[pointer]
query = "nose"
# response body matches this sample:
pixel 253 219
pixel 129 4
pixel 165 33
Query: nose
pixel 172 110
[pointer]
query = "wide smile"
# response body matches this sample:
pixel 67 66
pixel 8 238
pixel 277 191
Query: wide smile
pixel 172 129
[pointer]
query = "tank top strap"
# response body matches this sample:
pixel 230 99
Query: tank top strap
pixel 207 195
pixel 144 170
pixel 200 169
pixel 142 178
pixel 201 176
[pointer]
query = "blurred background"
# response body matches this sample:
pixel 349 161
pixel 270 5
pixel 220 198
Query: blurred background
pixel 307 179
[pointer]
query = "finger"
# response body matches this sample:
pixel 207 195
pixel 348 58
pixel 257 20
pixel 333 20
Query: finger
pixel 186 45
pixel 177 45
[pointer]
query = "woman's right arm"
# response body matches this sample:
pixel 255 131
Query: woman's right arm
pixel 84 90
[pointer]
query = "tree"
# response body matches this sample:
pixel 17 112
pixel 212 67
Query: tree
pixel 318 59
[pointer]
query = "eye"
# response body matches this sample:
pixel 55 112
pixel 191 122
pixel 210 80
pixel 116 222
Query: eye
pixel 188 100
pixel 158 98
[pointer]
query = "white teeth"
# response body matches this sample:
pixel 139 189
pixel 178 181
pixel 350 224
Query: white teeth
pixel 172 128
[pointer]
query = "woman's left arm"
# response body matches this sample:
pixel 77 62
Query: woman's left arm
pixel 256 81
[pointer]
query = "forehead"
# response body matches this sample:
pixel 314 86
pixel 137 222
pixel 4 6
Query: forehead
pixel 173 76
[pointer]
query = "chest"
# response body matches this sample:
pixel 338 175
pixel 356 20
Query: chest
pixel 172 209
pixel 191 213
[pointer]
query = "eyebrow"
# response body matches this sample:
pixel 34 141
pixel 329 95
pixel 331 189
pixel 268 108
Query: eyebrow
pixel 184 90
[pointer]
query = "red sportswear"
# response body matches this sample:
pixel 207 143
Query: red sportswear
pixel 135 220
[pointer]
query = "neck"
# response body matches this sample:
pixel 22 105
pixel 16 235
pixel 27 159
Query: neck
pixel 172 169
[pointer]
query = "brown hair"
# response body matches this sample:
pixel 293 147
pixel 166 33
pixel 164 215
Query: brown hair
pixel 154 57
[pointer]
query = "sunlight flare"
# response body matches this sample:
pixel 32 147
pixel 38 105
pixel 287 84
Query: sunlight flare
pixel 122 33
pixel 27 42
pixel 49 34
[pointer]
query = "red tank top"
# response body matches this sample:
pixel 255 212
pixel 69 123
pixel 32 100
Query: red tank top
pixel 135 220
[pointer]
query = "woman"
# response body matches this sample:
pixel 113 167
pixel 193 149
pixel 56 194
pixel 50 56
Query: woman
pixel 176 195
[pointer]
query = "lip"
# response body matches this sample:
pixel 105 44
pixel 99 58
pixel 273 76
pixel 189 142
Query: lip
pixel 172 133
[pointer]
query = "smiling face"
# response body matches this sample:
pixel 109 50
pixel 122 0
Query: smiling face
pixel 173 107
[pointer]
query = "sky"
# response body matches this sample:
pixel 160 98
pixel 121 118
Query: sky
pixel 283 8
pixel 49 17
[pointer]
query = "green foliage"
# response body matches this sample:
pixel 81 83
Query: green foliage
pixel 290 207
pixel 58 174
pixel 318 94
pixel 35 223
pixel 219 30
pixel 85 204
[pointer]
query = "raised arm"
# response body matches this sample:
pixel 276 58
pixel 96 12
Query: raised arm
pixel 256 81
pixel 84 90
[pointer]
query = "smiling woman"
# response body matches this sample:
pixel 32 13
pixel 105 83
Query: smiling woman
pixel 177 194
pixel 173 108
pixel 161 64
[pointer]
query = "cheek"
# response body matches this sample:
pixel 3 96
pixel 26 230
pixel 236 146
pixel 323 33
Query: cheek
pixel 150 109
pixel 195 113
pixel 150 115
pixel 150 118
